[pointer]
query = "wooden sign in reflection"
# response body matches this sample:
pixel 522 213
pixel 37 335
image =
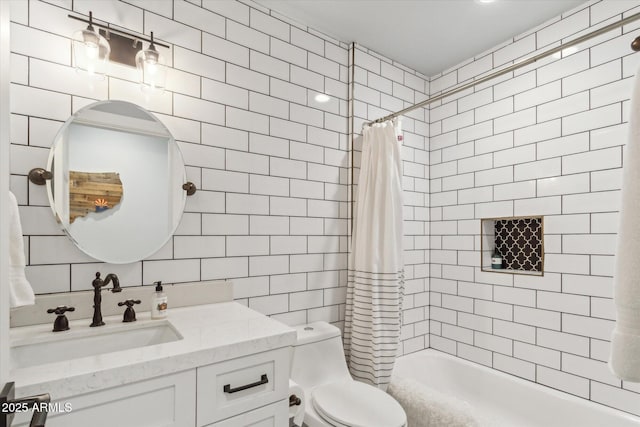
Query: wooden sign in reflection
pixel 85 188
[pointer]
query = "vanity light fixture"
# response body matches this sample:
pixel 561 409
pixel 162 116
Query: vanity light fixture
pixel 93 50
pixel 151 69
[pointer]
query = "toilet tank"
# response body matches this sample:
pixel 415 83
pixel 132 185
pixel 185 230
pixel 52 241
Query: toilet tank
pixel 318 357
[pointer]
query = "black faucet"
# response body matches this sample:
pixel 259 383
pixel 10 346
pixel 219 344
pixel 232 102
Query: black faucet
pixel 98 284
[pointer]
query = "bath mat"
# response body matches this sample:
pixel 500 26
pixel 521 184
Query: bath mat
pixel 426 407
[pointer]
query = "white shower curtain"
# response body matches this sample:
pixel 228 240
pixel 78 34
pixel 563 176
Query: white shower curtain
pixel 376 274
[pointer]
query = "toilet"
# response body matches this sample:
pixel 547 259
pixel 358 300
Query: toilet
pixel 333 398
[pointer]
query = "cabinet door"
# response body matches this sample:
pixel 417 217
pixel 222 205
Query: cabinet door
pixel 167 401
pixel 240 385
pixel 274 415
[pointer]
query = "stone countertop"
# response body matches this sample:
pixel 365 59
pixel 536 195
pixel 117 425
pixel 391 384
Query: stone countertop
pixel 210 333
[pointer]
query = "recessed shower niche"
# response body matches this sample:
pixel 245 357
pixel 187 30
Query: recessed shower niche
pixel 512 245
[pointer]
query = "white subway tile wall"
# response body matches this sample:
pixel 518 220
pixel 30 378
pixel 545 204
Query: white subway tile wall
pixel 270 163
pixel 548 141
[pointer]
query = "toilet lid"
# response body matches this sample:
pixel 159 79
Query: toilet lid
pixel 356 404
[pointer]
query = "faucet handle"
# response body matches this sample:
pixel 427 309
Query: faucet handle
pixel 60 310
pixel 129 313
pixel 129 302
pixel 61 323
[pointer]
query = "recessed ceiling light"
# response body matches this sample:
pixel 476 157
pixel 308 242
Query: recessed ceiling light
pixel 321 97
pixel 485 1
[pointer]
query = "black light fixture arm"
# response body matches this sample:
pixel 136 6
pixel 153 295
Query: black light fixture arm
pixel 152 46
pixel 90 27
pixel 107 27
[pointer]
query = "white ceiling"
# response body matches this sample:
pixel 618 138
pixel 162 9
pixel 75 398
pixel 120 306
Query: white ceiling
pixel 429 36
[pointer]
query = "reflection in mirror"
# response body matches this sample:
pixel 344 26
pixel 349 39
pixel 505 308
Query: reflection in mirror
pixel 117 181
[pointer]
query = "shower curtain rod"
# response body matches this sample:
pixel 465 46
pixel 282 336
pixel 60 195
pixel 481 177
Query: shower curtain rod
pixel 635 45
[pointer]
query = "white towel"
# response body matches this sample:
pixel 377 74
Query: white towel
pixel 20 291
pixel 625 342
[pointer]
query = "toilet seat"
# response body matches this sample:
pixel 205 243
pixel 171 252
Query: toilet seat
pixel 354 404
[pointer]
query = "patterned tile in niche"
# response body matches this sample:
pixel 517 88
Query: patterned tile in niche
pixel 519 240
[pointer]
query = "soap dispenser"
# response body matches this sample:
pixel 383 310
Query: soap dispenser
pixel 158 302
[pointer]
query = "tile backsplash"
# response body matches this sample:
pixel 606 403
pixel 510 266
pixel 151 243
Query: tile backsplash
pixel 520 243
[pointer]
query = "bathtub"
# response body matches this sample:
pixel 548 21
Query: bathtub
pixel 505 400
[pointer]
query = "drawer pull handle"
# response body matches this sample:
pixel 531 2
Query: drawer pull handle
pixel 263 380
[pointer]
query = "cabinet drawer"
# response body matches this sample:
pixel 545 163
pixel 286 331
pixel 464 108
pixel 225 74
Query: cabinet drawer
pixel 274 415
pixel 166 401
pixel 230 388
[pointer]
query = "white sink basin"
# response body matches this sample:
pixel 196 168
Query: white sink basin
pixel 73 344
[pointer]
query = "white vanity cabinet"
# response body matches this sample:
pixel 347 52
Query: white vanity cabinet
pixel 246 391
pixel 167 401
pixel 229 368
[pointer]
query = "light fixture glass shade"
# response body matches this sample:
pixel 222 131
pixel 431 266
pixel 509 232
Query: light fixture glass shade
pixel 151 69
pixel 90 52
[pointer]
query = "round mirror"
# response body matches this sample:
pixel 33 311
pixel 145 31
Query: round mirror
pixel 117 181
